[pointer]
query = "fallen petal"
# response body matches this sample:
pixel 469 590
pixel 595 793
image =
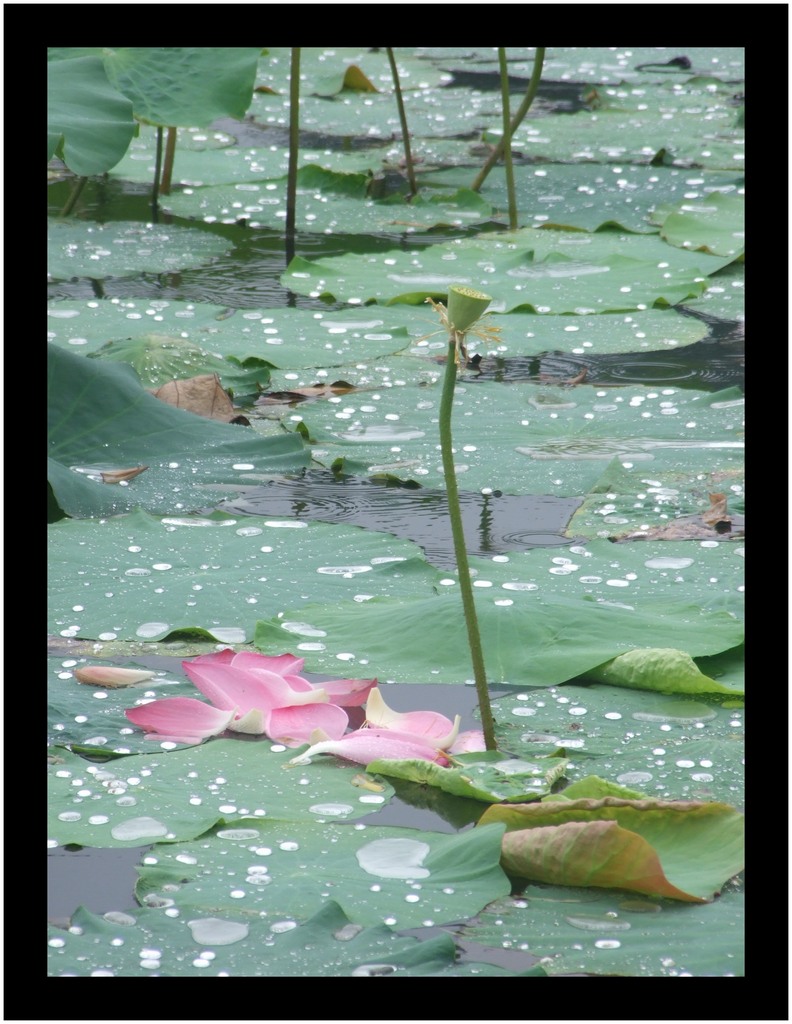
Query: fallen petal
pixel 295 725
pixel 227 685
pixel 109 677
pixel 427 724
pixel 180 716
pixel 283 664
pixel 349 693
pixel 251 724
pixel 468 742
pixel 367 745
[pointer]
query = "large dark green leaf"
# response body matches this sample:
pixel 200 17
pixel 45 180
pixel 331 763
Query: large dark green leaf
pixel 89 123
pixel 329 945
pixel 606 933
pixel 218 573
pixel 177 795
pixel 184 85
pixel 402 876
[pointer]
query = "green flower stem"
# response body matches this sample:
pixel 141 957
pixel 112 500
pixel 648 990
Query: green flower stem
pixel 294 152
pixel 170 156
pixel 403 119
pixel 71 202
pixel 522 110
pixel 507 150
pixel 457 532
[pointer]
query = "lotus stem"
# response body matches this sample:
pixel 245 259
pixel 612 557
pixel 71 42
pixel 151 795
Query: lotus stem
pixel 167 167
pixel 507 151
pixel 403 119
pixel 294 150
pixel 522 110
pixel 465 298
pixel 71 202
pixel 155 185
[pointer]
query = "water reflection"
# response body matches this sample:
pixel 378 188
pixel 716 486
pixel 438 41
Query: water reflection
pixel 494 523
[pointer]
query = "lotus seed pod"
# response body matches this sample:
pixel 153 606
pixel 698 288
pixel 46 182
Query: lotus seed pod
pixel 465 306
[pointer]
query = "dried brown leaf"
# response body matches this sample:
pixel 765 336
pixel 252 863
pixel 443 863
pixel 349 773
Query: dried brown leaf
pixel 115 476
pixel 203 395
pixel 717 512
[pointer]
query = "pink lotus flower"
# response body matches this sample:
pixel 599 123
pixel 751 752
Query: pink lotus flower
pixel 255 694
pixel 389 734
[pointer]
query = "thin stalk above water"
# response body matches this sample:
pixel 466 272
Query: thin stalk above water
pixel 467 299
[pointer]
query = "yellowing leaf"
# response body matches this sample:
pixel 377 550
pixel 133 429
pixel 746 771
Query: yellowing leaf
pixel 356 79
pixel 685 850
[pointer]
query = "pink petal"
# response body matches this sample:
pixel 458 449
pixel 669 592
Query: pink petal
pixel 180 717
pixel 428 724
pixel 367 745
pixel 282 664
pixel 293 726
pixel 110 677
pixel 349 693
pixel 468 742
pixel 251 724
pixel 298 684
pixel 230 685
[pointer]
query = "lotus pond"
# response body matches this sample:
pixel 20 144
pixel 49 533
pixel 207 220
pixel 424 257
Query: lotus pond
pixel 244 456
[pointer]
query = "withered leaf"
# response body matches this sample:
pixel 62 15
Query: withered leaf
pixel 717 512
pixel 115 476
pixel 338 387
pixel 203 395
pixel 685 528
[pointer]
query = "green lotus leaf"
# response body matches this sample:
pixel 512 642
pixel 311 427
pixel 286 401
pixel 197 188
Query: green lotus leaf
pixel 401 876
pixel 652 668
pixel 176 796
pixel 159 358
pixel 184 85
pixel 328 944
pixel 715 224
pixel 607 933
pixel 642 743
pixel 122 248
pixel 89 123
pixel 118 425
pixel 488 775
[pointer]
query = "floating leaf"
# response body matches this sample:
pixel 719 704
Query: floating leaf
pixel 118 421
pixel 713 224
pixel 658 668
pixel 488 775
pixel 160 358
pixel 328 945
